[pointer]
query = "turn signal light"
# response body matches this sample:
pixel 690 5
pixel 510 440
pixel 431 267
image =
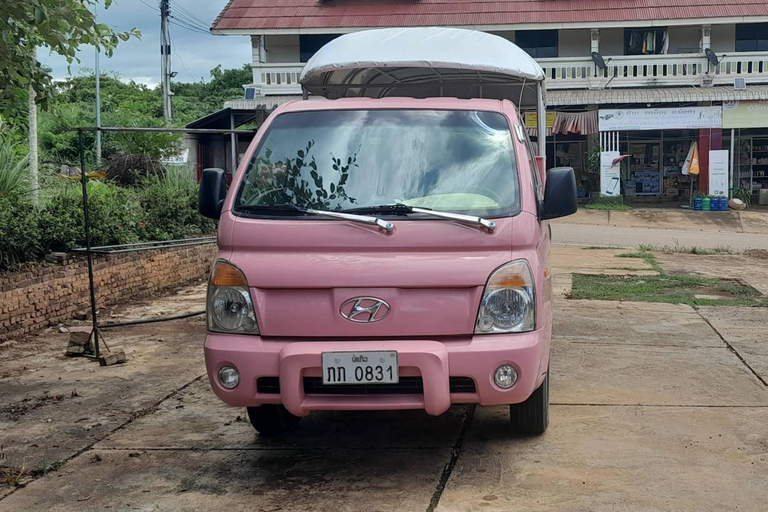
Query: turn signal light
pixel 225 274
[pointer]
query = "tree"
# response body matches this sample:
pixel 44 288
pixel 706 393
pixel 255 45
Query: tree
pixel 62 26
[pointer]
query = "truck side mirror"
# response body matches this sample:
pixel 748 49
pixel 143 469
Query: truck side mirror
pixel 559 194
pixel 213 191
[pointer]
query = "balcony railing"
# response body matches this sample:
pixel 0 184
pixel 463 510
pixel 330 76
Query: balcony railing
pixel 582 73
pixel 654 70
pixel 277 79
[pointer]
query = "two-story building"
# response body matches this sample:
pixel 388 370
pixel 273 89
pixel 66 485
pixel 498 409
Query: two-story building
pixel 624 75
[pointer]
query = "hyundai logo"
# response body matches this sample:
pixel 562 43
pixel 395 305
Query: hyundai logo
pixel 364 310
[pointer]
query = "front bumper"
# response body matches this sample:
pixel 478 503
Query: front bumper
pixel 434 361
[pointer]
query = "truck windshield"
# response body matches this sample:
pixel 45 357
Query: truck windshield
pixel 450 160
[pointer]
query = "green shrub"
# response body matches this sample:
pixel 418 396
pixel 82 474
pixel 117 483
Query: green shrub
pixel 19 232
pixel 115 217
pixel 170 201
pixel 14 171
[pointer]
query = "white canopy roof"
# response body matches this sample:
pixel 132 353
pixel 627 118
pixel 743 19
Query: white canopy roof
pixel 422 62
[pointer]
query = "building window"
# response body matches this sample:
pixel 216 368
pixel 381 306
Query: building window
pixel 752 37
pixel 539 44
pixel 646 41
pixel 309 44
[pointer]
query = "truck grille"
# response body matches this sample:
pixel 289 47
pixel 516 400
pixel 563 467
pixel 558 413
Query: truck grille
pixel 406 386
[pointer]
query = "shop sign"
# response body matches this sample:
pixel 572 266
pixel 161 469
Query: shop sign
pixel 745 114
pixel 180 158
pixel 718 172
pixel 672 118
pixel 532 119
pixel 610 174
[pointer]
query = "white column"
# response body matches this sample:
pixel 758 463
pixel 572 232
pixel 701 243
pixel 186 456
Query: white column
pixel 594 40
pixel 706 37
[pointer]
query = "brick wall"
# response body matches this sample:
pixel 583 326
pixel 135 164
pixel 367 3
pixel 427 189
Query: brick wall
pixel 47 293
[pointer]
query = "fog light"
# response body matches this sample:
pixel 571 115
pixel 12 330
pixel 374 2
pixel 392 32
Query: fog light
pixel 505 376
pixel 229 378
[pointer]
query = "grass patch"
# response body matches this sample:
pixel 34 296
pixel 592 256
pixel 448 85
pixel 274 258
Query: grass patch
pixel 666 288
pixel 701 251
pixel 607 206
pixel 598 248
pixel 643 255
pixel 672 289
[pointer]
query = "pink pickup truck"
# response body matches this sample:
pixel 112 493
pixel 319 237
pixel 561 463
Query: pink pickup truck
pixel 387 246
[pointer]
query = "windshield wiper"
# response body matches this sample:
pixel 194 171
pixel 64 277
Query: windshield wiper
pixel 382 209
pixel 364 219
pixel 402 209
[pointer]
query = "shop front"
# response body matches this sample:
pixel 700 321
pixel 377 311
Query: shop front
pixel 567 142
pixel 655 143
pixel 747 124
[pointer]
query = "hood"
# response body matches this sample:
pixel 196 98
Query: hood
pixel 428 274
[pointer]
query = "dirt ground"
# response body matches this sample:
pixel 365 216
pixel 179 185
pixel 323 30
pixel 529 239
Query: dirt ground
pixel 655 407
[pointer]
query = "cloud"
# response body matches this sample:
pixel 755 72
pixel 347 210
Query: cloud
pixel 194 50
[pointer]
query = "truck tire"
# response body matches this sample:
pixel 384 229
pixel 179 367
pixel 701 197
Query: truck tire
pixel 531 417
pixel 271 419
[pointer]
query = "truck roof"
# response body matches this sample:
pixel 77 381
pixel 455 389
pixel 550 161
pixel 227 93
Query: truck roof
pixel 423 62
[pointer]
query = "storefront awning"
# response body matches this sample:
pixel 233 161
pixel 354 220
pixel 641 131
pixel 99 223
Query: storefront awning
pixel 557 98
pixel 582 123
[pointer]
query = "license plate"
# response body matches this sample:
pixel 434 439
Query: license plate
pixel 360 368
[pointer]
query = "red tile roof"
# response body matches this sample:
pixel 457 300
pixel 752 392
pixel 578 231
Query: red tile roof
pixel 304 14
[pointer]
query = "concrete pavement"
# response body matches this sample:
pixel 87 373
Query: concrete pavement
pixel 656 407
pixel 581 235
pixel 660 227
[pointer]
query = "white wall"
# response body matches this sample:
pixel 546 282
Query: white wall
pixel 573 43
pixel 280 48
pixel 611 42
pixel 723 38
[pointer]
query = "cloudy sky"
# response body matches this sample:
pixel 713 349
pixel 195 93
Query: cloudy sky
pixel 195 50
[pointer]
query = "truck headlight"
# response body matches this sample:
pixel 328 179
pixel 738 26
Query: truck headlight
pixel 230 308
pixel 509 302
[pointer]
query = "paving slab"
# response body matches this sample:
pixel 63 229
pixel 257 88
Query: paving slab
pixel 57 406
pixel 608 459
pixel 568 260
pixel 584 216
pixel 752 271
pixel 632 323
pixel 200 421
pixel 754 221
pixel 683 236
pixel 746 330
pixel 676 219
pixel 235 480
pixel 610 374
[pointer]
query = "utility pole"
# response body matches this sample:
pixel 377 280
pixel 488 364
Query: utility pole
pixel 98 110
pixel 33 159
pixel 165 57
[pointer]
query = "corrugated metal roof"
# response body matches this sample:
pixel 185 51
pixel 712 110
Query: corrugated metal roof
pixel 558 98
pixel 295 14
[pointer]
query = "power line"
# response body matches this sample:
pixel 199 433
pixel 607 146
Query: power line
pixel 181 24
pixel 148 5
pixel 189 14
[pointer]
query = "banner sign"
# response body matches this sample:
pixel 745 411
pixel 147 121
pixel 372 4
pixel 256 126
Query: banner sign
pixel 674 118
pixel 691 164
pixel 609 174
pixel 718 172
pixel 532 119
pixel 745 114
